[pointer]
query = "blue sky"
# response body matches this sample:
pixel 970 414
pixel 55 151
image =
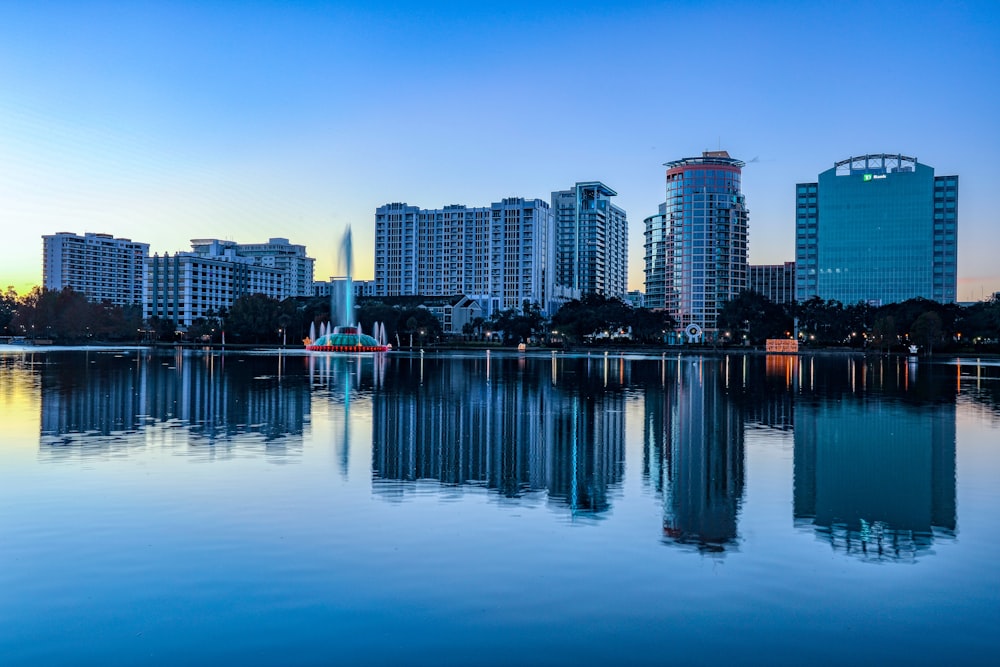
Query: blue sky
pixel 163 122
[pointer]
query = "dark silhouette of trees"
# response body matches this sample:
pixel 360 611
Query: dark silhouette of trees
pixel 66 316
pixel 753 315
pixel 254 319
pixel 980 322
pixel 596 315
pixel 518 326
pixel 927 330
pixel 8 308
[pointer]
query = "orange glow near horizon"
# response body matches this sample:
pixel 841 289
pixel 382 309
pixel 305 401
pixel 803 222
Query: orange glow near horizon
pixel 20 405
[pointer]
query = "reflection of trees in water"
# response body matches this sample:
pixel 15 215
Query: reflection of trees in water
pixel 519 426
pixel 979 383
pixel 96 400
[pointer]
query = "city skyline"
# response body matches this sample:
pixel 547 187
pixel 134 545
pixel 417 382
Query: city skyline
pixel 164 123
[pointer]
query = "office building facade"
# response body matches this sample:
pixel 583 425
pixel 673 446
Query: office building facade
pixel 102 268
pixel 704 223
pixel 775 281
pixel 501 255
pixel 591 242
pixel 879 228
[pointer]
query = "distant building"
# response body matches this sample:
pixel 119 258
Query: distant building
pixel 288 257
pixel 635 298
pixel 878 228
pixel 591 242
pixel 501 255
pixel 201 283
pixel 102 268
pixel 704 224
pixel 362 288
pixel 657 229
pixel 454 313
pixel 775 281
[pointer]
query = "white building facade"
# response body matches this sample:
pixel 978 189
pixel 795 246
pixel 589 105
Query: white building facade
pixel 102 268
pixel 501 256
pixel 291 258
pixel 202 283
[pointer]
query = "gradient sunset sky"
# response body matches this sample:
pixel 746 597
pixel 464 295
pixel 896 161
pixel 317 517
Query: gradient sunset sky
pixel 168 121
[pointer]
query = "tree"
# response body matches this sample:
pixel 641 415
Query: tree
pixel 254 318
pixel 754 315
pixel 58 314
pixel 162 328
pixel 981 321
pixel 926 330
pixel 884 332
pixel 907 312
pixel 580 319
pixel 420 322
pixel 8 308
pixel 519 326
pixel 649 326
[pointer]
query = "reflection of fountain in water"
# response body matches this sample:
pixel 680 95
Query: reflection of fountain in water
pixel 343 334
pixel 343 378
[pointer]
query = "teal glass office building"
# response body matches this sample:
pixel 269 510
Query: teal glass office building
pixel 879 228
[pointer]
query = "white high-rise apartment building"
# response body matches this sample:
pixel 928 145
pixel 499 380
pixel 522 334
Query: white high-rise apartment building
pixel 501 256
pixel 102 268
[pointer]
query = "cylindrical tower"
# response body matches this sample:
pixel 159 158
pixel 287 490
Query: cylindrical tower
pixel 706 249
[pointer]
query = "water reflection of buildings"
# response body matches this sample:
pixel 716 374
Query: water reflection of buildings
pixel 875 456
pixel 694 451
pixel 518 426
pixel 978 382
pixel 99 399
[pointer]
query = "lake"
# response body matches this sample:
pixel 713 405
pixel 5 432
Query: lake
pixel 488 508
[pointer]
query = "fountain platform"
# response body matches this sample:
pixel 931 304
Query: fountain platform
pixel 346 339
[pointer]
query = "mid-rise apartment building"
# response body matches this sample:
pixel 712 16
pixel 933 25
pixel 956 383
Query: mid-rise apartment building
pixel 187 286
pixel 290 258
pixel 102 268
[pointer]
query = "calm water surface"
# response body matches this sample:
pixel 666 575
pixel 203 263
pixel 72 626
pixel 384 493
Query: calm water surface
pixel 497 509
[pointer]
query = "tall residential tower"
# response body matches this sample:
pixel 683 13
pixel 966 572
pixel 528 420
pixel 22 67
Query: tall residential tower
pixel 879 228
pixel 704 251
pixel 592 242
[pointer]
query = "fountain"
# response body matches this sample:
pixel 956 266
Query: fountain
pixel 345 336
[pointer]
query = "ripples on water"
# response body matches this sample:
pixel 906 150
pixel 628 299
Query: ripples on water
pixel 477 508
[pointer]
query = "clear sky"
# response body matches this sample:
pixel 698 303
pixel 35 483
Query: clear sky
pixel 168 121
